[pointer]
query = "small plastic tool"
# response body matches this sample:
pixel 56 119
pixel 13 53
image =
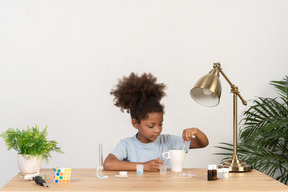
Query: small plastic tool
pixel 123 174
pixel 186 174
pixel 40 181
pixel 31 176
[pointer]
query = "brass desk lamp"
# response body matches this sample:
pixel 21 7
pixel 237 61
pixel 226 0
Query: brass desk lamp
pixel 207 92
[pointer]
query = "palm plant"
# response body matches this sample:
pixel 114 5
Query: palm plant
pixel 263 141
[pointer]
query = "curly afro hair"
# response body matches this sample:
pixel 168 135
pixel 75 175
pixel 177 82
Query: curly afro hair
pixel 139 95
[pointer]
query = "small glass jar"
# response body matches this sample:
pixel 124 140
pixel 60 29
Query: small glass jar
pixel 225 173
pixel 209 173
pixel 219 173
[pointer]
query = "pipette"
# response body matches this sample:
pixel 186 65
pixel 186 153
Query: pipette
pixel 183 146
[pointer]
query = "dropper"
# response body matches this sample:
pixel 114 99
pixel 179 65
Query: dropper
pixel 183 146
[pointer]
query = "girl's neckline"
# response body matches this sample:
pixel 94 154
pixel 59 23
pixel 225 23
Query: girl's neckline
pixel 150 143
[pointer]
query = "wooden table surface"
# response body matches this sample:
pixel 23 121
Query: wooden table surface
pixel 86 180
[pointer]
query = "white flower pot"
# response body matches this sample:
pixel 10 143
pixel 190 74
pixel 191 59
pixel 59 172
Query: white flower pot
pixel 28 164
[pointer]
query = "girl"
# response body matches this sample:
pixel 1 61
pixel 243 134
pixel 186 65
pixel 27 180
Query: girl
pixel 140 96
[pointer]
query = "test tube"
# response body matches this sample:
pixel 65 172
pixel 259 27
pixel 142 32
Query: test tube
pixel 99 166
pixel 100 163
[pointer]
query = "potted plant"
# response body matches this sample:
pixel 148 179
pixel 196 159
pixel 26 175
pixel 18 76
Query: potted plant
pixel 32 146
pixel 264 134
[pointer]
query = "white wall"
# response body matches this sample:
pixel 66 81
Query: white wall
pixel 59 59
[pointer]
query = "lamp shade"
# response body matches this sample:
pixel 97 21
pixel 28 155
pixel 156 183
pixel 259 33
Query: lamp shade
pixel 207 90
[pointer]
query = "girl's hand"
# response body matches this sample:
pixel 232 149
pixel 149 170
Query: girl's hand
pixel 200 140
pixel 188 134
pixel 111 163
pixel 152 165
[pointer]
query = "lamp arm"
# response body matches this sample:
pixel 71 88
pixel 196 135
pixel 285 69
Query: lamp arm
pixel 234 89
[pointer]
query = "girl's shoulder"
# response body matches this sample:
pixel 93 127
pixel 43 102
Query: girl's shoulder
pixel 129 140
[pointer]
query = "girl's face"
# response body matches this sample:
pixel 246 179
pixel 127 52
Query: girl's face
pixel 149 129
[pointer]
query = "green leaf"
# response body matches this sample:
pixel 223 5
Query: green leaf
pixel 30 141
pixel 263 135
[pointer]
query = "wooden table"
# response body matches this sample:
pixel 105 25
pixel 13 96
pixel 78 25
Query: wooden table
pixel 86 180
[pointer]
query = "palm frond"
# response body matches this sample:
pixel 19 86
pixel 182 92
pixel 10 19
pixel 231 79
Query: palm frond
pixel 282 87
pixel 264 135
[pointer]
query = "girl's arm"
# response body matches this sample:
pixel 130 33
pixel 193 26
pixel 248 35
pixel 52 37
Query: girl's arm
pixel 200 140
pixel 111 163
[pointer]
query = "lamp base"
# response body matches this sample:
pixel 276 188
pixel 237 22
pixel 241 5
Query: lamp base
pixel 236 165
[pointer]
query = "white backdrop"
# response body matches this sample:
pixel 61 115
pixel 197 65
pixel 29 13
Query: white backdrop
pixel 59 60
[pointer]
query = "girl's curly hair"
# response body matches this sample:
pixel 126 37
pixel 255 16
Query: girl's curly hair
pixel 139 95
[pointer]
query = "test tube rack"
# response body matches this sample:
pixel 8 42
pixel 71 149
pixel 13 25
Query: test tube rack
pixel 62 175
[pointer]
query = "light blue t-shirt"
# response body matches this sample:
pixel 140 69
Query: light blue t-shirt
pixel 132 150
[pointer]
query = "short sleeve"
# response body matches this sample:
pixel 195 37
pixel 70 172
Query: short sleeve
pixel 120 151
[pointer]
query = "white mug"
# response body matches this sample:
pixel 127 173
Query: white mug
pixel 176 159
